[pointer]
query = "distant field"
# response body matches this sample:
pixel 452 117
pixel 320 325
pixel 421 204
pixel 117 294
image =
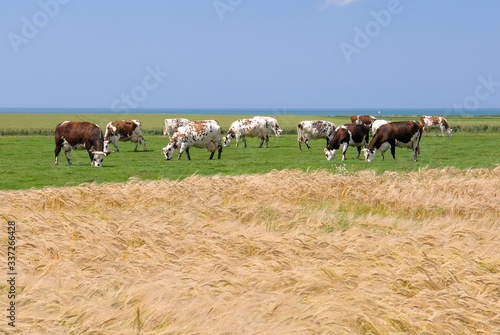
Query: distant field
pixel 34 124
pixel 28 161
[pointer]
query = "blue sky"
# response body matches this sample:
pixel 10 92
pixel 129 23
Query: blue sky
pixel 250 54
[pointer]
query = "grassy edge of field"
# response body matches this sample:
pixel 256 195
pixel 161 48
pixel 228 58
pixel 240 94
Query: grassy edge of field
pixel 44 124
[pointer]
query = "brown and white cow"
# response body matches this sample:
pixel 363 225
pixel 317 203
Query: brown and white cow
pixel 259 127
pixel 125 130
pixel 354 135
pixel 198 134
pixel 312 130
pixel 78 136
pixel 404 134
pixel 437 122
pixel 366 120
pixel 171 125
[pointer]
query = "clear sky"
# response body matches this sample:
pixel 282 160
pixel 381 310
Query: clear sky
pixel 250 54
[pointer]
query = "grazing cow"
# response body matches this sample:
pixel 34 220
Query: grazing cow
pixel 125 130
pixel 404 134
pixel 312 130
pixel 376 124
pixel 438 122
pixel 259 127
pixel 198 134
pixel 366 120
pixel 171 125
pixel 350 134
pixel 77 136
pixel 272 123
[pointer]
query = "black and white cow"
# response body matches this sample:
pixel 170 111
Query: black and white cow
pixel 312 130
pixel 125 130
pixel 354 135
pixel 78 136
pixel 406 134
pixel 198 134
pixel 258 126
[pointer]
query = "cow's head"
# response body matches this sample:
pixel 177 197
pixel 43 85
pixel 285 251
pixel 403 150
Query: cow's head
pixel 329 154
pixel 279 131
pixel 98 157
pixel 168 151
pixel 227 139
pixel 106 146
pixel 449 131
pixel 369 154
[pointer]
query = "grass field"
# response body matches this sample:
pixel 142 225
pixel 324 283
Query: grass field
pixel 28 161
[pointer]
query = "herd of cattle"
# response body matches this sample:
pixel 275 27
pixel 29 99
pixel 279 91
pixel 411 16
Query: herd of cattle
pixel 184 134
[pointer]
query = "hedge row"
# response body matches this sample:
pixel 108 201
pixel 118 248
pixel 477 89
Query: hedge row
pixel 481 128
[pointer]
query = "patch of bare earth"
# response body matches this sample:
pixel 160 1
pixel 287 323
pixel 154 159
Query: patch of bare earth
pixel 280 253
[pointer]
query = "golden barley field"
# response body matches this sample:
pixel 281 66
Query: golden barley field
pixel 288 252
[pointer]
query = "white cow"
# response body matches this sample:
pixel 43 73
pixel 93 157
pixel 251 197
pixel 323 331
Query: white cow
pixel 171 125
pixel 198 134
pixel 312 130
pixel 376 124
pixel 272 123
pixel 259 127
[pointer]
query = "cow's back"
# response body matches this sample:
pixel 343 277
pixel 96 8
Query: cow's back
pixel 400 131
pixel 200 133
pixel 78 132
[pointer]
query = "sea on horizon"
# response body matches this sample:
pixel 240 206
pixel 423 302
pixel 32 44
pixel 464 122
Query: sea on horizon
pixel 268 111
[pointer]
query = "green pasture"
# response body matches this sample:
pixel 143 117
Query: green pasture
pixel 44 124
pixel 28 160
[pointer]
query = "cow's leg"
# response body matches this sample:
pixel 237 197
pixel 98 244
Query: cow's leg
pixel 219 151
pixel 345 146
pixel 136 144
pixel 300 145
pixel 359 151
pixel 261 142
pixel 267 141
pixel 115 143
pixel 68 156
pixel 211 155
pixel 307 144
pixel 143 141
pixel 244 141
pixel 393 149
pixel 415 149
pixel 57 150
pixel 187 153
